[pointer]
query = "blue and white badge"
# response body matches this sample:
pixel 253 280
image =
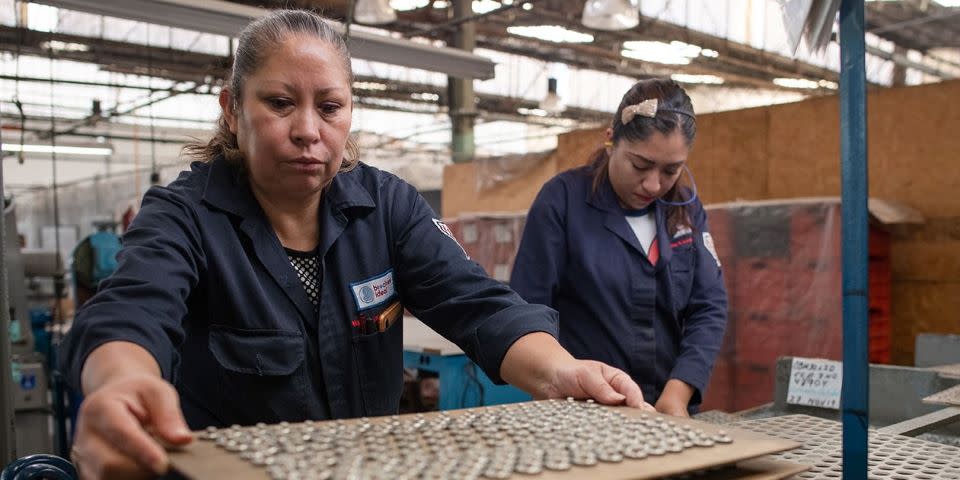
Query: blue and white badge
pixel 446 231
pixel 373 291
pixel 708 243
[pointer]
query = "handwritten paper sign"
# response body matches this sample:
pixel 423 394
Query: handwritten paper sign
pixel 815 382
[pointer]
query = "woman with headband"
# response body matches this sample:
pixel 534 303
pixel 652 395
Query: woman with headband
pixel 622 250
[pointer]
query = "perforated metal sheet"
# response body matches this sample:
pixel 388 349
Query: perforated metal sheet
pixel 950 396
pixel 717 417
pixel 948 371
pixel 893 457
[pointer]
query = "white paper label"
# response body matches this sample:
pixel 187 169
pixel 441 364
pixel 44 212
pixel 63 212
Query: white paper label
pixel 373 291
pixel 815 382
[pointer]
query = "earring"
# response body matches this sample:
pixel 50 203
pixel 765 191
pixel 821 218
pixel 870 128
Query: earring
pixel 608 144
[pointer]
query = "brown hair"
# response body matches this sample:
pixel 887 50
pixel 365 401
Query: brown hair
pixel 255 43
pixel 674 111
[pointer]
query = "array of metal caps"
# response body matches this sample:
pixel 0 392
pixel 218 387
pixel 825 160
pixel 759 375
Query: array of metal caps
pixel 493 442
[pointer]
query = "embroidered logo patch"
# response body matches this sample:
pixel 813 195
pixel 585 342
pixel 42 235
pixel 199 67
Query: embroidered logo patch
pixel 708 242
pixel 373 291
pixel 446 231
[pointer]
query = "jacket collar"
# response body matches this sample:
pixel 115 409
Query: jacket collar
pixel 228 190
pixel 604 198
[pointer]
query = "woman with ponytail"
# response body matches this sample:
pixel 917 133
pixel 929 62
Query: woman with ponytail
pixel 620 247
pixel 267 284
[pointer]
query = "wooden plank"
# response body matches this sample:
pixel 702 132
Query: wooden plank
pixel 460 193
pixel 730 156
pixel 203 460
pixel 921 307
pixel 925 260
pixel 804 149
pixel 575 148
pixel 913 145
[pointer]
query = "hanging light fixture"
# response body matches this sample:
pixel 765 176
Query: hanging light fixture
pixel 552 103
pixel 611 14
pixel 374 12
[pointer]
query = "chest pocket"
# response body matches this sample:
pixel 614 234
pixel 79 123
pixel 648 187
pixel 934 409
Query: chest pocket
pixel 681 275
pixel 379 364
pixel 261 372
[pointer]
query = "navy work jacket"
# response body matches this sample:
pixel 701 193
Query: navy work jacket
pixel 579 255
pixel 204 284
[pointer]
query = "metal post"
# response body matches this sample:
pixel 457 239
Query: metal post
pixel 853 149
pixel 463 107
pixel 8 439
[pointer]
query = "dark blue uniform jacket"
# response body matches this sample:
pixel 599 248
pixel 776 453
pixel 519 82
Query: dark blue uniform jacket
pixel 579 255
pixel 204 284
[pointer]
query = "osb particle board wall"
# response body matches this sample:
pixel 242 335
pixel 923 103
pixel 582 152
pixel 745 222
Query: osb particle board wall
pixel 793 150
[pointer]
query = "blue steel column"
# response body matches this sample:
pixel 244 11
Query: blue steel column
pixel 853 149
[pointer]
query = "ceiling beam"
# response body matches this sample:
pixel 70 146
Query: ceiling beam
pixel 229 18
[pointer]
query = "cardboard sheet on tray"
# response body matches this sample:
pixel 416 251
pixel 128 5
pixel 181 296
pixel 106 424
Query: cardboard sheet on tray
pixel 204 460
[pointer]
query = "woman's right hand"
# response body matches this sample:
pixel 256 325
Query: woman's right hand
pixel 113 438
pixel 129 410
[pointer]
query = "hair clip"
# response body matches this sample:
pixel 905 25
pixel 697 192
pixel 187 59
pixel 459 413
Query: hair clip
pixel 646 108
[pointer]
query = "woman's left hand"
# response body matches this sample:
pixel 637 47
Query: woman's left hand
pixel 676 409
pixel 596 380
pixel 675 398
pixel 537 364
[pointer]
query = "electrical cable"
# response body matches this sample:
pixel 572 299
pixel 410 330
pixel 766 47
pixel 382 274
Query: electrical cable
pixel 470 370
pixel 688 201
pixel 16 87
pixel 154 174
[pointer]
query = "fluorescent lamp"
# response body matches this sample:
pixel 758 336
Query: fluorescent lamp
pixel 688 78
pixel 611 14
pixel 59 149
pixel 706 52
pixel 484 6
pixel 228 18
pixel 673 53
pixel 551 33
pixel 407 5
pixel 374 12
pixel 828 84
pixel 536 112
pixel 427 96
pixel 796 83
pixel 59 46
pixel 370 86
